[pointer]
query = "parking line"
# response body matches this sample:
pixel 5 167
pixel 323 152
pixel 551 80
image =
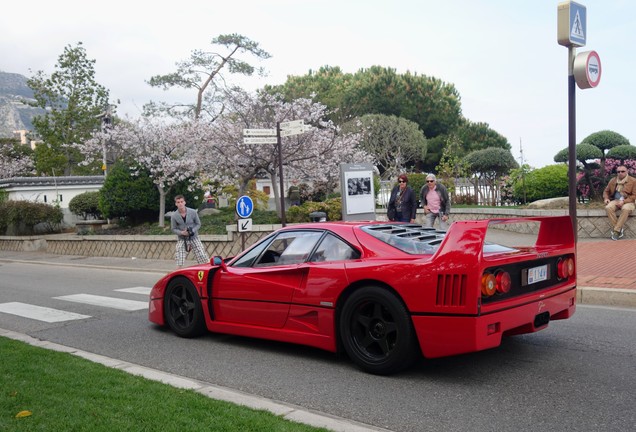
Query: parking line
pixel 39 313
pixel 109 302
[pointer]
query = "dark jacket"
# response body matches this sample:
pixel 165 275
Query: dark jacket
pixel 444 206
pixel 409 205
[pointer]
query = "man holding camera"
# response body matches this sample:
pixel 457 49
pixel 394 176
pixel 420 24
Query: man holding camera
pixel 185 223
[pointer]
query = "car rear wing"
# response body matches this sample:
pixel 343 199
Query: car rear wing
pixel 467 238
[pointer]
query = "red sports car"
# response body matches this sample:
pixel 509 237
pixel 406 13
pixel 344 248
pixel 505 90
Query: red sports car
pixel 385 293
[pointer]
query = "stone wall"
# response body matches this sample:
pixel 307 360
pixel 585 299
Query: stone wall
pixel 591 224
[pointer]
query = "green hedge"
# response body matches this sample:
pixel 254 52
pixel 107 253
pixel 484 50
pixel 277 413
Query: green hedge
pixel 333 208
pixel 21 217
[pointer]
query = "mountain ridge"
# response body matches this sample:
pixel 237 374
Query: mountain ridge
pixel 15 112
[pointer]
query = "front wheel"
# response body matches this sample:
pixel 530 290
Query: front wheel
pixel 377 332
pixel 182 308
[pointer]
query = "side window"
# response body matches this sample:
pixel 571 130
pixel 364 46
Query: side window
pixel 290 247
pixel 333 249
pixel 248 259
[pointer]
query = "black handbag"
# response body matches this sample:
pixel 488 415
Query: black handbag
pixel 391 213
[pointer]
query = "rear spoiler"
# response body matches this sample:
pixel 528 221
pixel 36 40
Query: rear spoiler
pixel 465 239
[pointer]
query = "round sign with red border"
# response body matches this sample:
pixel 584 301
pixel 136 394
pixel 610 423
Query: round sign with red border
pixel 587 69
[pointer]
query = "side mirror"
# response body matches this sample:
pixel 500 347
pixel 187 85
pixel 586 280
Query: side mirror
pixel 218 261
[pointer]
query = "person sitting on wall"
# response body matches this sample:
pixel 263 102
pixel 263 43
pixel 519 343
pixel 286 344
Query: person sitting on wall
pixel 619 194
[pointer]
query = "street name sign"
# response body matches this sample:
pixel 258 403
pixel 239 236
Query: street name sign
pixel 294 130
pixel 292 124
pixel 260 140
pixel 259 132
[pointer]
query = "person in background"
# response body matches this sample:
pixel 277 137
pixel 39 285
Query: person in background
pixel 434 198
pixel 185 223
pixel 294 195
pixel 403 201
pixel 619 195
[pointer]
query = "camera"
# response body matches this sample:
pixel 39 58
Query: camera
pixel 190 232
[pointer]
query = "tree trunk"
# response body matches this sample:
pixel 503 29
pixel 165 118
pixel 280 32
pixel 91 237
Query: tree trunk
pixel 162 206
pixel 275 187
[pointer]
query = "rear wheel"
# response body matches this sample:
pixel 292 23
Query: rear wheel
pixel 377 332
pixel 182 308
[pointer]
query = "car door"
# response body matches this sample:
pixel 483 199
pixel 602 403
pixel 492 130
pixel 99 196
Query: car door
pixel 326 272
pixel 257 289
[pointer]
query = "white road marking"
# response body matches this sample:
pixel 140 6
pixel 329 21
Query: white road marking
pixel 136 290
pixel 39 313
pixel 110 302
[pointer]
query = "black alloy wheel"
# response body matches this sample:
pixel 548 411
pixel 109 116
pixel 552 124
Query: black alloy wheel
pixel 182 308
pixel 377 332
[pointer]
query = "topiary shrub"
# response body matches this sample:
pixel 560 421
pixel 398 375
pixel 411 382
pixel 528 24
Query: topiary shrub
pixel 86 205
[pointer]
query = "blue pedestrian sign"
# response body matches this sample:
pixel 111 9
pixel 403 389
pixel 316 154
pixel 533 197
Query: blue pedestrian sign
pixel 244 207
pixel 572 24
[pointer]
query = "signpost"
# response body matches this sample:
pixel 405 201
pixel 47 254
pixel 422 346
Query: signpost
pixel 585 70
pixel 273 136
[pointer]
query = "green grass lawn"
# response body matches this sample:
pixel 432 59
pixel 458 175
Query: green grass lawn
pixel 44 390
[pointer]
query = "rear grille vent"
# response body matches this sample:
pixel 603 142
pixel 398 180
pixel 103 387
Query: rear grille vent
pixel 451 290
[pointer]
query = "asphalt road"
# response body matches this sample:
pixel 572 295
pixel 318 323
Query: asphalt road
pixel 577 375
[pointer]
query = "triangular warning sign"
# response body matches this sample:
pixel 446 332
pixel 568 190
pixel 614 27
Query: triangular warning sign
pixel 577 27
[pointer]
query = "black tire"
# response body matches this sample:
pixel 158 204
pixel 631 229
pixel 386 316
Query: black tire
pixel 182 308
pixel 377 332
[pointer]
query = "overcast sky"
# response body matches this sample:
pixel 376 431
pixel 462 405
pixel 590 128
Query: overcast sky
pixel 501 55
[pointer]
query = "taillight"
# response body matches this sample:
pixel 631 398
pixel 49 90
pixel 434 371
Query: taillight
pixel 488 284
pixel 503 281
pixel 499 282
pixel 565 268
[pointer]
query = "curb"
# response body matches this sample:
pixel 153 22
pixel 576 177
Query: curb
pixel 606 296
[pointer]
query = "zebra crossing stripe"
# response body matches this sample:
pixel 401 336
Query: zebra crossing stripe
pixel 39 313
pixel 110 302
pixel 136 290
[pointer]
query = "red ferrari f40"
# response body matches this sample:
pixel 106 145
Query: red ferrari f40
pixel 384 293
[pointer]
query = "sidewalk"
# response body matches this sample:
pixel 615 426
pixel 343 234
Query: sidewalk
pixel 601 280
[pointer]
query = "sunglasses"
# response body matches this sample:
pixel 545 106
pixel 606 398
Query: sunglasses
pixel 621 171
pixel 401 181
pixel 430 181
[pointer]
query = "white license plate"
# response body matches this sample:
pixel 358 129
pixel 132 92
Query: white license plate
pixel 537 274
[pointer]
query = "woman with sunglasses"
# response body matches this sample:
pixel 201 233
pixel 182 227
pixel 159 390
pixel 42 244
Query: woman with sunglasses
pixel 402 205
pixel 435 202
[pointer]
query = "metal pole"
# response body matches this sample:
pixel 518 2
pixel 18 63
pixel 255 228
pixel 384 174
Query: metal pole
pixel 280 175
pixel 572 139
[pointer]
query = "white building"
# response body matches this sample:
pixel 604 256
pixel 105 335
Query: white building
pixel 51 190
